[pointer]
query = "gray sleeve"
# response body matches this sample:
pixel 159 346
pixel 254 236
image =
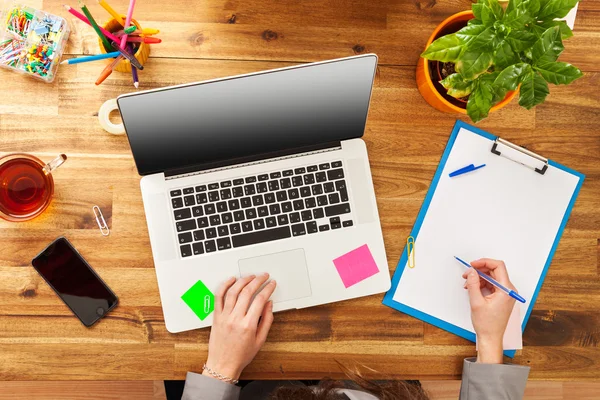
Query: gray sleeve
pixel 492 381
pixel 200 387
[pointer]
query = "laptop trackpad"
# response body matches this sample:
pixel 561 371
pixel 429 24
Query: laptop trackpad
pixel 288 268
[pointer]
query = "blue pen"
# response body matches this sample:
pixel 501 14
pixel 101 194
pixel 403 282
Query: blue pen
pixel 466 169
pixel 497 284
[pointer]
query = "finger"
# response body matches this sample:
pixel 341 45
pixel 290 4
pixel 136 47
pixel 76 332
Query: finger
pixel 243 301
pixel 261 299
pixel 264 326
pixel 220 294
pixel 233 292
pixel 475 297
pixel 496 267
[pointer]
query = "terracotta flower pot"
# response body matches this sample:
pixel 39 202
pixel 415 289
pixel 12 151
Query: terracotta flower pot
pixel 433 92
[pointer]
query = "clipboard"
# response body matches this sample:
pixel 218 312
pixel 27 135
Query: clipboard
pixel 534 193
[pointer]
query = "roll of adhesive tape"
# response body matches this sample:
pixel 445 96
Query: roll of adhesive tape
pixel 103 117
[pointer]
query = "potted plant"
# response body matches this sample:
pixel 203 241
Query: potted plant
pixel 476 61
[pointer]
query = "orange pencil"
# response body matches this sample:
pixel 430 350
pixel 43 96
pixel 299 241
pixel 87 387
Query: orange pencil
pixel 108 70
pixel 137 39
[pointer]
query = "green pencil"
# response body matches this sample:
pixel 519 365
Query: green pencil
pixel 105 41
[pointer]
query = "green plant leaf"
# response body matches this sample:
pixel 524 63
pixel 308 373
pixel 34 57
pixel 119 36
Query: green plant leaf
pixel 517 18
pixel 541 27
pixel 548 47
pixel 559 73
pixel 491 11
pixel 511 76
pixel 447 48
pixel 473 63
pixel 534 90
pixel 476 8
pixel 512 5
pixel 474 21
pixel 521 40
pixel 480 101
pixel 551 9
pixel 457 87
pixel 498 93
pixel 504 56
pixel 477 37
pixel 532 7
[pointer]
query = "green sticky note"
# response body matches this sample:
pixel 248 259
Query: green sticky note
pixel 200 300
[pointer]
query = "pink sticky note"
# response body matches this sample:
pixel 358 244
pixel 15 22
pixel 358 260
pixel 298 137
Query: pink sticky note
pixel 356 266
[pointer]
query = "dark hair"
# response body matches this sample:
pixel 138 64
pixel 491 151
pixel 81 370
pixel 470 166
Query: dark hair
pixel 328 389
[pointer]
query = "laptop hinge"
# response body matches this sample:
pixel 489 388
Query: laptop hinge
pixel 252 160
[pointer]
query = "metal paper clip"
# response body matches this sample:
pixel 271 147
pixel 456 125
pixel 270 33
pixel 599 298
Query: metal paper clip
pixel 410 248
pixel 207 303
pixel 101 221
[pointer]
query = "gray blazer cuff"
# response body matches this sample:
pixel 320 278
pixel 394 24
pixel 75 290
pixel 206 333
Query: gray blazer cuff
pixel 492 381
pixel 200 387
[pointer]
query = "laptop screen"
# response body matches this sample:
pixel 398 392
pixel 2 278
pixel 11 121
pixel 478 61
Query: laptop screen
pixel 212 122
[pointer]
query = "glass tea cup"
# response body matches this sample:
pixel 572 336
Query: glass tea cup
pixel 26 186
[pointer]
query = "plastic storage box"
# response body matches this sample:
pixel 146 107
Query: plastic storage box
pixel 32 41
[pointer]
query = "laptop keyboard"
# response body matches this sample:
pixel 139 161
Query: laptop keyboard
pixel 261 208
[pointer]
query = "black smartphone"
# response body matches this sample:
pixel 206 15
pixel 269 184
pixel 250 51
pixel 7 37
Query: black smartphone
pixel 74 281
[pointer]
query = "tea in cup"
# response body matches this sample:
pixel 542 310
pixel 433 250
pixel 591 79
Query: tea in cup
pixel 26 185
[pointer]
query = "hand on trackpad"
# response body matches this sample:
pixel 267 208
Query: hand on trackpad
pixel 288 268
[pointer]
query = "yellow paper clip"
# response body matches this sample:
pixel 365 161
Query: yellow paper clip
pixel 410 248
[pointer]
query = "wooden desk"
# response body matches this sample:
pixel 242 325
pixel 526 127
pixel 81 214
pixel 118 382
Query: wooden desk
pixel 41 340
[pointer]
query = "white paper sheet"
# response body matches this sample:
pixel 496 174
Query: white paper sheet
pixel 503 211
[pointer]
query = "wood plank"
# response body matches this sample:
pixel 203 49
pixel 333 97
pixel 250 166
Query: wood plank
pixel 304 30
pixel 93 390
pixel 145 390
pixel 86 361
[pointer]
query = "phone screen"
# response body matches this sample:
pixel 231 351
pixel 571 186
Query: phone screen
pixel 74 281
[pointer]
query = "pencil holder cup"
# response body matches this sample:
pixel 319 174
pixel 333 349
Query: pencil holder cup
pixel 142 52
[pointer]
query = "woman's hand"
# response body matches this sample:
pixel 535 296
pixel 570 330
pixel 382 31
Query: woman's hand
pixel 490 314
pixel 239 328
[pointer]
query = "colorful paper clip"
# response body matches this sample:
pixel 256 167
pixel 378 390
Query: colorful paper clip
pixel 101 221
pixel 410 248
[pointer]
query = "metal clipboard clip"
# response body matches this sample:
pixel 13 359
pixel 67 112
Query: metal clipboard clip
pixel 520 155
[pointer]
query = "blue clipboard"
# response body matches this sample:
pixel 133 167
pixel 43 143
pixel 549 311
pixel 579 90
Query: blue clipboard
pixel 388 298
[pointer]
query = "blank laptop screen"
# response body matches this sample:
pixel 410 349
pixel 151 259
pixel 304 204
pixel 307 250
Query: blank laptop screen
pixel 212 122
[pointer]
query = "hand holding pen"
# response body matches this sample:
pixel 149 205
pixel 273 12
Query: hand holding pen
pixel 489 313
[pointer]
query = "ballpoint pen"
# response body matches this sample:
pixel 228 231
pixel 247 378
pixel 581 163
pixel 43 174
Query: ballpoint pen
pixel 494 282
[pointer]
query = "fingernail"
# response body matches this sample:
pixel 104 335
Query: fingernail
pixel 273 282
pixel 265 274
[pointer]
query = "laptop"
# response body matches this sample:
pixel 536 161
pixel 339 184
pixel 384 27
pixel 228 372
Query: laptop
pixel 263 172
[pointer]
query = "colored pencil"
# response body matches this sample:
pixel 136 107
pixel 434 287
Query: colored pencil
pixel 91 58
pixel 112 12
pixel 143 32
pixel 127 22
pixel 134 61
pixel 134 74
pixel 108 70
pixel 84 19
pixel 149 40
pixel 96 27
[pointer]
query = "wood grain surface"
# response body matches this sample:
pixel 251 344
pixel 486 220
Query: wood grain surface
pixel 41 340
pixel 155 390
